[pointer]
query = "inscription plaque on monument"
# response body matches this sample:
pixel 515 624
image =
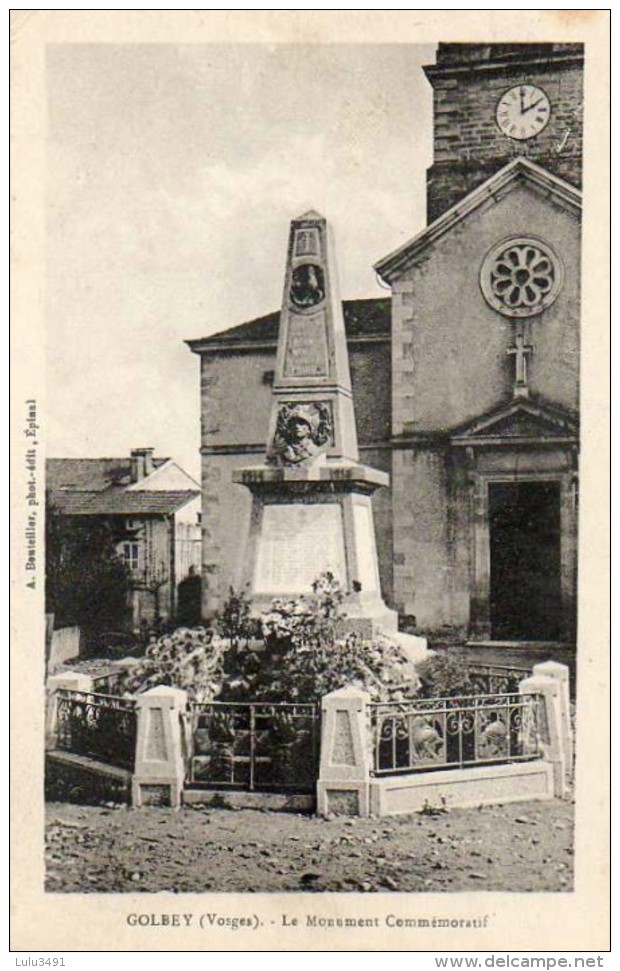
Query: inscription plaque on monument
pixel 306 347
pixel 297 544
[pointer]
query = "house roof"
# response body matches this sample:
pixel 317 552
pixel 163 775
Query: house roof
pixel 91 475
pixel 362 318
pixel 519 171
pixel 119 502
pixel 100 487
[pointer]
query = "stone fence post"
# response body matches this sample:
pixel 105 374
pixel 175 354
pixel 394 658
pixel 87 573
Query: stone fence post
pixel 344 773
pixel 159 771
pixel 69 681
pixel 550 680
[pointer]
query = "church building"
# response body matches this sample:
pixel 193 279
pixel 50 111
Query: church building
pixel 466 381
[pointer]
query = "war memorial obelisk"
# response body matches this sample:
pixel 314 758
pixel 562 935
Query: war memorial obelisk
pixel 312 499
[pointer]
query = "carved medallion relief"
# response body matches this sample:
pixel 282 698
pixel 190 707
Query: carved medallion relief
pixel 303 431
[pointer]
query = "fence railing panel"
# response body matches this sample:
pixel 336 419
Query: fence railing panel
pixel 99 726
pixel 108 684
pixel 454 732
pixel 253 746
pixel 496 678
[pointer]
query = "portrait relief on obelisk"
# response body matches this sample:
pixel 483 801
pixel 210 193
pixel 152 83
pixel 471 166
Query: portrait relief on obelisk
pixel 307 286
pixel 303 431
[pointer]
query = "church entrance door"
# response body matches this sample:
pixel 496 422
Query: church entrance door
pixel 525 555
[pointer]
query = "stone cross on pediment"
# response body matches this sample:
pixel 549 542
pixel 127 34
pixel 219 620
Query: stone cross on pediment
pixel 521 351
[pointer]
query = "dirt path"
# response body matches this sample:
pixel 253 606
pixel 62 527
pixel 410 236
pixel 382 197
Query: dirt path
pixel 517 847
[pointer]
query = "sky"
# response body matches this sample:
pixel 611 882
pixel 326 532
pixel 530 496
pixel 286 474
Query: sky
pixel 172 175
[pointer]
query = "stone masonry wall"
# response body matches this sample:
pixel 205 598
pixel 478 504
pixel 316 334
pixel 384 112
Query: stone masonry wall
pixel 449 365
pixel 449 360
pixel 469 147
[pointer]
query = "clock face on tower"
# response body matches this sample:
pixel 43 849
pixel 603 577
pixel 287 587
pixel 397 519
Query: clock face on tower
pixel 523 111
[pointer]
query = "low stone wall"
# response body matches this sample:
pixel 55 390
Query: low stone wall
pixel 348 785
pixel 478 785
pixel 240 799
pixel 159 767
pixel 75 778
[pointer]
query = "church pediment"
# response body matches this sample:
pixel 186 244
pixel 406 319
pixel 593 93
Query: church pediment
pixel 521 421
pixel 519 172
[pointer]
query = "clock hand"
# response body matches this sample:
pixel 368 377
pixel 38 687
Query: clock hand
pixel 530 107
pixel 522 100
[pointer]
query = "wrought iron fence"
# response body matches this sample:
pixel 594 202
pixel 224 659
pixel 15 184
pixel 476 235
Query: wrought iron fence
pixel 496 678
pixel 108 684
pixel 96 725
pixel 253 746
pixel 441 733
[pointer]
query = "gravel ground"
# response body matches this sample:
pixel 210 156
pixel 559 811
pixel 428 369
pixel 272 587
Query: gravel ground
pixel 113 849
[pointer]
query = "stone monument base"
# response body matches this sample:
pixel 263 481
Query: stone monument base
pixel 414 646
pixel 369 619
pixel 313 520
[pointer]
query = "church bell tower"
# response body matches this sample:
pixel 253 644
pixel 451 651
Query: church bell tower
pixel 485 352
pixel 493 103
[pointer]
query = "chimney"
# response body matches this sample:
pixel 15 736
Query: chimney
pixel 141 463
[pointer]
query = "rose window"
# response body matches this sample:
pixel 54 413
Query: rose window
pixel 521 277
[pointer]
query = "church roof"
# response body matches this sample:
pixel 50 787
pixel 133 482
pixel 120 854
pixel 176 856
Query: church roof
pixel 517 172
pixel 362 318
pixel 101 487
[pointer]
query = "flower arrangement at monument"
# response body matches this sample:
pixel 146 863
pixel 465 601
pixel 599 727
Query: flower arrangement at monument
pixel 308 652
pixel 188 658
pixel 305 653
